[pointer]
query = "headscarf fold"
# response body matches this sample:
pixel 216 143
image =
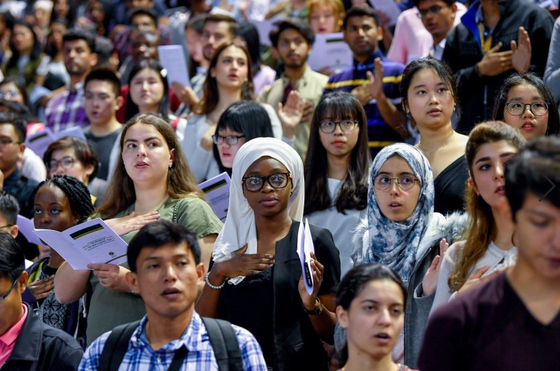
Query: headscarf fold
pixel 396 244
pixel 239 228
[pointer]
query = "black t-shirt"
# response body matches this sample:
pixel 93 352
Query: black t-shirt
pixel 489 329
pixel 102 147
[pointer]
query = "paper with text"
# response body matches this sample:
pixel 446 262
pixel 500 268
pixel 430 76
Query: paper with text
pixel 304 249
pixel 216 191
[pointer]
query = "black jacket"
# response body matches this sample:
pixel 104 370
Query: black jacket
pixel 462 52
pixel 40 347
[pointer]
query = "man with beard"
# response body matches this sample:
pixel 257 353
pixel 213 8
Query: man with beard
pixel 372 78
pixel 68 108
pixel 298 90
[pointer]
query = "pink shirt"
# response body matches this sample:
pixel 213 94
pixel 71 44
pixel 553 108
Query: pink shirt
pixel 8 339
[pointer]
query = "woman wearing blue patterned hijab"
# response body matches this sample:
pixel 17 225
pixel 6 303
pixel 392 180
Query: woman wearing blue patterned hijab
pixel 403 232
pixel 395 227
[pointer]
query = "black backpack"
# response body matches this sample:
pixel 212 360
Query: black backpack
pixel 221 335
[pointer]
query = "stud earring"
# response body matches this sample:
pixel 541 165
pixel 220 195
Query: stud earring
pixel 170 165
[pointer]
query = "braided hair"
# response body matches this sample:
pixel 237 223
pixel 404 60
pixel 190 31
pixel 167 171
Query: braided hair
pixel 78 194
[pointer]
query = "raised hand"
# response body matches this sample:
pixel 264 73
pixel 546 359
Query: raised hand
pixel 521 51
pixel 375 84
pixel 477 278
pixel 131 222
pixel 290 115
pixel 429 283
pixel 494 62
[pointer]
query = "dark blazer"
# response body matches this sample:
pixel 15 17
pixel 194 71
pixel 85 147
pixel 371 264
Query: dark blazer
pixel 40 347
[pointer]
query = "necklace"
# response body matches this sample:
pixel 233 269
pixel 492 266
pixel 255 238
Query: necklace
pixel 430 153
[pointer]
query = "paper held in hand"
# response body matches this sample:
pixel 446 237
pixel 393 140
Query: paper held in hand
pixel 216 191
pixel 304 249
pixel 86 243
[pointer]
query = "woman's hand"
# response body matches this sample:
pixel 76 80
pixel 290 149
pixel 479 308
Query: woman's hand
pixel 241 264
pixel 131 222
pixel 317 272
pixel 429 283
pixel 290 114
pixel 111 276
pixel 476 279
pixel 42 288
pixel 185 94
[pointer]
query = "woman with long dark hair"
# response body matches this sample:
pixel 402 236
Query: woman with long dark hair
pixel 336 170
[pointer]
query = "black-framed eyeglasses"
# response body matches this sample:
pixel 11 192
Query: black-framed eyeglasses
pixel 518 108
pixel 346 126
pixel 66 162
pixel 431 10
pixel 231 139
pixel 254 183
pixel 3 297
pixel 405 182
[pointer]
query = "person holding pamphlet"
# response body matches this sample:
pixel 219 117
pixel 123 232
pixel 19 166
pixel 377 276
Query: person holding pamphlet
pixel 59 203
pixel 257 283
pixel 152 181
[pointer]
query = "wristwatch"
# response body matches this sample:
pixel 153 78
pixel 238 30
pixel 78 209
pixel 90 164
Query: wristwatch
pixel 316 311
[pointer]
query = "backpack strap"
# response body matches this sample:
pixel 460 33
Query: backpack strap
pixel 116 346
pixel 224 343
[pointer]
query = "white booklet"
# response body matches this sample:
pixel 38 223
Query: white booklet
pixel 216 191
pixel 40 141
pixel 86 243
pixel 330 50
pixel 172 58
pixel 304 249
pixel 27 228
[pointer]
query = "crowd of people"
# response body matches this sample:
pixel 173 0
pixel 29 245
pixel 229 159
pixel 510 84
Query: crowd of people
pixel 423 174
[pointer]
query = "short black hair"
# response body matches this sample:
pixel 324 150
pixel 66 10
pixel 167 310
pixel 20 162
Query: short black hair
pixel 292 24
pixel 104 49
pixel 105 74
pixel 19 123
pixel 12 260
pixel 360 11
pixel 9 208
pixel 217 18
pixel 74 34
pixel 535 169
pixel 448 2
pixel 160 233
pixel 143 11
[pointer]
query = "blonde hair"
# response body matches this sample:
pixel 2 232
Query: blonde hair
pixel 180 181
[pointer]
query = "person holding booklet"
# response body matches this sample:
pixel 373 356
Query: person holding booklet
pixel 255 280
pixel 152 181
pixel 59 203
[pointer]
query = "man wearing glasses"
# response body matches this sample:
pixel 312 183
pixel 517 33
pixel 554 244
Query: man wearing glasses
pixel 26 343
pixel 439 17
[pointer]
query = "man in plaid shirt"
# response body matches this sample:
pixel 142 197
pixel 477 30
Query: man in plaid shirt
pixel 67 109
pixel 164 260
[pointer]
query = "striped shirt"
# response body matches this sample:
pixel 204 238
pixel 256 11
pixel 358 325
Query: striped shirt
pixel 67 110
pixel 141 357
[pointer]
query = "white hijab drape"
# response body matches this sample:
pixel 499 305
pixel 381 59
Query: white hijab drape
pixel 239 228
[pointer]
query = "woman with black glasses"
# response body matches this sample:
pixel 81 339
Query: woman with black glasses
pixel 241 122
pixel 256 280
pixel 526 103
pixel 336 170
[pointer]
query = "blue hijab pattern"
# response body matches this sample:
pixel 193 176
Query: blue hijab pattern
pixel 395 244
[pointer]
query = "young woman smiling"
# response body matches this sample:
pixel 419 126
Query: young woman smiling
pixel 526 103
pixel 229 80
pixel 336 170
pixel 429 97
pixel 152 181
pixel 488 244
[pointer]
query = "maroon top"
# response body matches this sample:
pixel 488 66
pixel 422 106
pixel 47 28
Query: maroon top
pixel 489 328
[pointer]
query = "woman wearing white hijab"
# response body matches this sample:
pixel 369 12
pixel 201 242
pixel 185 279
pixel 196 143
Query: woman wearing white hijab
pixel 255 280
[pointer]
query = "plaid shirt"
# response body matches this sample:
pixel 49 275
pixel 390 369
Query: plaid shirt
pixel 200 356
pixel 67 110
